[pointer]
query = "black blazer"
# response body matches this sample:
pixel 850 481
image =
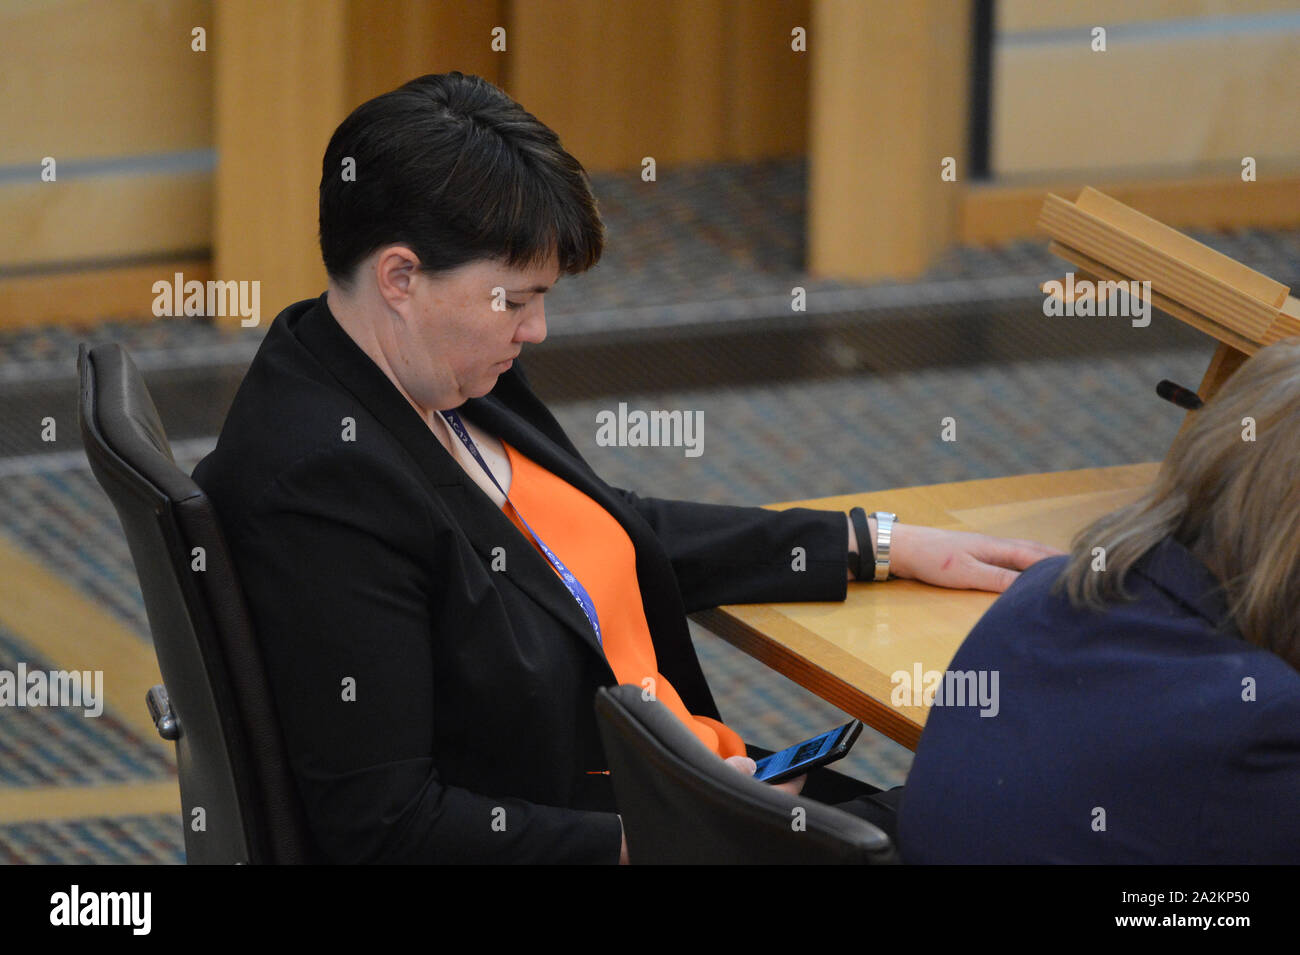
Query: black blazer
pixel 435 709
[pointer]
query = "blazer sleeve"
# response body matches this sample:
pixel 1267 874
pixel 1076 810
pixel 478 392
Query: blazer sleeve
pixel 723 554
pixel 341 587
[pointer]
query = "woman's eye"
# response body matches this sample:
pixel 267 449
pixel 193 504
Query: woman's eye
pixel 514 305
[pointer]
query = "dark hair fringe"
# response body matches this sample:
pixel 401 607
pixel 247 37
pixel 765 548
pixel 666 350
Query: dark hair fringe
pixel 453 167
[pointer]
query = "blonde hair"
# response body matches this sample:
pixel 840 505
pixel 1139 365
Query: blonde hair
pixel 1228 491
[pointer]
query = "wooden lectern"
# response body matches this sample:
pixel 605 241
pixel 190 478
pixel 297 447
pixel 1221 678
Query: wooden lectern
pixel 1110 242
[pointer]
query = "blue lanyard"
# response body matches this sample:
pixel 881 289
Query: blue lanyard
pixel 576 589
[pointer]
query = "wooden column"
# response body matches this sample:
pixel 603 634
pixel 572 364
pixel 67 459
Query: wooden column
pixel 889 102
pixel 280 83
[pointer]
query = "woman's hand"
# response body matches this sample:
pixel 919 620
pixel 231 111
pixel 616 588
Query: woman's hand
pixel 744 764
pixel 961 560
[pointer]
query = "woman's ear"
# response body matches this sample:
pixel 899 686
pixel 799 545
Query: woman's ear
pixel 395 269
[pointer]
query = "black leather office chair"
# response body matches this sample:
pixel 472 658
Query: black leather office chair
pixel 681 804
pixel 237 794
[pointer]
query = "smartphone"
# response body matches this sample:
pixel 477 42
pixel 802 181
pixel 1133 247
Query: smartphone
pixel 811 753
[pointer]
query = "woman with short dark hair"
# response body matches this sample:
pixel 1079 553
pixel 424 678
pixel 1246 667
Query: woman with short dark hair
pixel 439 581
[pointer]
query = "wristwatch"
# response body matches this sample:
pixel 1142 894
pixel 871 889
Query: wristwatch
pixel 884 534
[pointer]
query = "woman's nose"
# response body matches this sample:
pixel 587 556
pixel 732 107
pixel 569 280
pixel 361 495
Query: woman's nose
pixel 533 328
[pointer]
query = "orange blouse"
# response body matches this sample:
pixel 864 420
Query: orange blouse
pixel 596 549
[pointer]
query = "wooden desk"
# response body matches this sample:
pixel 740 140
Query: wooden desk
pixel 846 652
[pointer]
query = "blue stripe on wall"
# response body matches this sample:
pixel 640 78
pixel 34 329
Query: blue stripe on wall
pixel 1251 25
pixel 153 164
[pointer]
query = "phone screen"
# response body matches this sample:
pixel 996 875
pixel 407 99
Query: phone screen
pixel 809 754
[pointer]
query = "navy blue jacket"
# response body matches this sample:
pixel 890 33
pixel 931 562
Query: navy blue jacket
pixel 1120 737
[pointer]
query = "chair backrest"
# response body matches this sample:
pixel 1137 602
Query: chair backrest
pixel 681 804
pixel 229 751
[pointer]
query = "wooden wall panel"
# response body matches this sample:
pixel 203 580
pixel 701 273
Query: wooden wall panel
pixel 680 80
pixel 1175 102
pixel 604 76
pixel 1017 15
pixel 765 82
pixel 104 218
pixel 393 41
pixel 122 292
pixel 115 94
pixel 96 80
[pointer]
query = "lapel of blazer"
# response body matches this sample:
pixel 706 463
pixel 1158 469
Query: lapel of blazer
pixel 495 415
pixel 479 518
pixel 513 412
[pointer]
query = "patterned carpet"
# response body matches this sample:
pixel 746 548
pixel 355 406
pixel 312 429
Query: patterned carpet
pixel 62 746
pixel 121 840
pixel 715 245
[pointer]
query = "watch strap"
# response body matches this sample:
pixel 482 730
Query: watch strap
pixel 864 569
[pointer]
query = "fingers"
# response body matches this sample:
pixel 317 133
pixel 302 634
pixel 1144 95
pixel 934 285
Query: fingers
pixel 742 764
pixel 1037 547
pixel 992 578
pixel 1015 554
pixel 792 786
